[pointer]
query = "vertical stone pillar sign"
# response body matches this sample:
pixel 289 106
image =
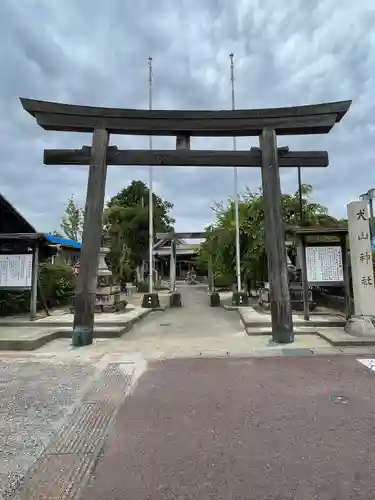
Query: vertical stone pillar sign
pixel 363 322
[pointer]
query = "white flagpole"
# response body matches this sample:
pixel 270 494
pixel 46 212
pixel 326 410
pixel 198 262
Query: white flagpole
pixel 235 177
pixel 150 193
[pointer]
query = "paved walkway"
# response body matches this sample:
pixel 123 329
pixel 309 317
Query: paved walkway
pixel 248 428
pixel 195 319
pixel 194 330
pixel 285 428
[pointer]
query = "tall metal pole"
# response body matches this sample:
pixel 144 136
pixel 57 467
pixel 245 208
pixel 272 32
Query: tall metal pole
pixel 150 191
pixel 300 197
pixel 235 178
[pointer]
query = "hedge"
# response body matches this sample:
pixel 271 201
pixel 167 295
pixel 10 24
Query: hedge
pixel 56 286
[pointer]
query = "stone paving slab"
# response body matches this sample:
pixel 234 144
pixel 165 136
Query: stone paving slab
pixel 252 318
pixel 102 319
pixel 161 346
pixel 24 338
pixel 338 337
pixel 280 428
pixel 267 330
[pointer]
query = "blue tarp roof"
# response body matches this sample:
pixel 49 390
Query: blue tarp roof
pixel 62 241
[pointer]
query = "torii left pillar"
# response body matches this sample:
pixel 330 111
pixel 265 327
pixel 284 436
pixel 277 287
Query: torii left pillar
pixel 281 309
pixel 84 313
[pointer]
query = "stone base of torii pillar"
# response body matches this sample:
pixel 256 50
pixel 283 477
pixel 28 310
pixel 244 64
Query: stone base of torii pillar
pixel 361 326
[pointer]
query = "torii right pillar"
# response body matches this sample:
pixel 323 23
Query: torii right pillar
pixel 281 309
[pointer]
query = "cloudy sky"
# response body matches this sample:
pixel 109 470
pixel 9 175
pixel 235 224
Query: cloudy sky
pixel 95 52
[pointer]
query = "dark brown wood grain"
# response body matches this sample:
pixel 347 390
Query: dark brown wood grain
pixel 183 236
pixel 92 233
pixel 186 158
pixel 183 142
pixel 311 119
pixel 281 311
pixel 305 283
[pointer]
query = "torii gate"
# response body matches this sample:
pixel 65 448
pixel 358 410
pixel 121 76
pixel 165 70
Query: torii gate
pixel 265 123
pixel 173 237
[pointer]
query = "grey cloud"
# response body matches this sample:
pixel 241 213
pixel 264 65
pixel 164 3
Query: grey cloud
pixel 93 52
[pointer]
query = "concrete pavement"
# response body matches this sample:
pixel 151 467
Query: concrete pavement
pixel 285 428
pixel 264 421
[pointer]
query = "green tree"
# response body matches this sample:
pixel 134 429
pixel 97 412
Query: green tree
pixel 127 222
pixel 220 243
pixel 72 220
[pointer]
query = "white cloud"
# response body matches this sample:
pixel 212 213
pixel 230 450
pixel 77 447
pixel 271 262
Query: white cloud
pixel 93 52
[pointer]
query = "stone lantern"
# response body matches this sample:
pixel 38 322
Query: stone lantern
pixel 108 294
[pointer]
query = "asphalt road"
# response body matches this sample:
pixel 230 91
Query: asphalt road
pixel 277 428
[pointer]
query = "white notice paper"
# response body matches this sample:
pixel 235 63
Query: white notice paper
pixel 324 264
pixel 16 271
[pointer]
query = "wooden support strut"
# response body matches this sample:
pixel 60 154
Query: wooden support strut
pixel 182 236
pixel 305 283
pixel 92 235
pixel 34 282
pixel 281 311
pixel 185 157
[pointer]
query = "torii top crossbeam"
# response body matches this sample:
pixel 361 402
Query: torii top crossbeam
pixel 183 236
pixel 296 120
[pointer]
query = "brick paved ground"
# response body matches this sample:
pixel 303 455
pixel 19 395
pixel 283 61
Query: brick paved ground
pixel 277 428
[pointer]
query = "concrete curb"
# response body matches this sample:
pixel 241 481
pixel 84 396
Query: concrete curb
pixel 103 331
pixel 299 323
pixel 340 338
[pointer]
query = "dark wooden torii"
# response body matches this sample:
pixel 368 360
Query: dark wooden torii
pixel 265 123
pixel 173 238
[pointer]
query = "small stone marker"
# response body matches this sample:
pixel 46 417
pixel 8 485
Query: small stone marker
pixel 363 323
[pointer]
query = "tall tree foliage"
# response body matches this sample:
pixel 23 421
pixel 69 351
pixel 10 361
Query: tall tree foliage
pixel 221 241
pixel 72 220
pixel 127 223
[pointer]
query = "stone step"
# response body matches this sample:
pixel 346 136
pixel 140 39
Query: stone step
pixel 267 330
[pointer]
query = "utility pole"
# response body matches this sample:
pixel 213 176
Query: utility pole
pixel 235 177
pixel 150 192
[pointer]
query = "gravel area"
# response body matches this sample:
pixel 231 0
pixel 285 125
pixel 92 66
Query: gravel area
pixel 35 399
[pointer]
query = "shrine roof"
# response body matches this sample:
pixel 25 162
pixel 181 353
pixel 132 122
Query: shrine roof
pixel 316 230
pixel 56 240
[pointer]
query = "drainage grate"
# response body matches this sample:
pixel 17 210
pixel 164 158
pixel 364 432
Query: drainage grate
pixel 165 324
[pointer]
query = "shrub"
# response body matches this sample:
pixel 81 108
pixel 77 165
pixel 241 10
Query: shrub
pixel 56 287
pixel 223 281
pixel 142 286
pixel 56 284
